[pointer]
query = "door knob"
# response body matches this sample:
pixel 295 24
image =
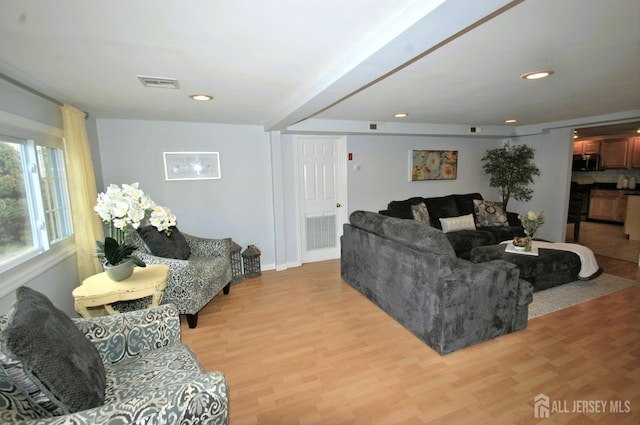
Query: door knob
pixel 338 204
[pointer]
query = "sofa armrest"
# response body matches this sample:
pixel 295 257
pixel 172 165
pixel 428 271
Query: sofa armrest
pixel 203 400
pixel 481 301
pixel 207 247
pixel 492 278
pixel 125 335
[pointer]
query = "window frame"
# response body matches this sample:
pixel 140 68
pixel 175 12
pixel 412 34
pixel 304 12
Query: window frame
pixel 37 261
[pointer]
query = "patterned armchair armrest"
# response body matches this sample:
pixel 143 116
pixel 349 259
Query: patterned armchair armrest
pixel 173 263
pixel 206 247
pixel 204 400
pixel 125 335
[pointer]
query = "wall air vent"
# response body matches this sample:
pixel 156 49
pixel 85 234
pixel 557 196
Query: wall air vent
pixel 159 82
pixel 376 126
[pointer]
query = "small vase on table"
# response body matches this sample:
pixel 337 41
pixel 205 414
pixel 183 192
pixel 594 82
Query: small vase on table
pixel 528 243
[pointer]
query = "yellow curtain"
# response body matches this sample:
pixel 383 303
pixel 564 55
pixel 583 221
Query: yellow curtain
pixel 82 191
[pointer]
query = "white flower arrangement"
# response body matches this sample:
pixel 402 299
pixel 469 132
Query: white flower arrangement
pixel 531 222
pixel 128 207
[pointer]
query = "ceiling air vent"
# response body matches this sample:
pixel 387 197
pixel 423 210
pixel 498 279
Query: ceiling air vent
pixel 159 82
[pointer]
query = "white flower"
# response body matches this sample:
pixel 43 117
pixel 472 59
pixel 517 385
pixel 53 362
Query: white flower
pixel 161 218
pixel 531 222
pixel 128 207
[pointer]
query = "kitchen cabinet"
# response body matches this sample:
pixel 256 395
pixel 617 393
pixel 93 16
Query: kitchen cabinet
pixel 615 153
pixel 608 204
pixel 635 152
pixel 586 147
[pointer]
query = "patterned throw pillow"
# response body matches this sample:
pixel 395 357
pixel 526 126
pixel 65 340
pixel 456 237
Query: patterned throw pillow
pixel 490 214
pixel 455 224
pixel 420 213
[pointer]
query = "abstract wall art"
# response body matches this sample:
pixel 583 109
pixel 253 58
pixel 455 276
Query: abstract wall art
pixel 433 165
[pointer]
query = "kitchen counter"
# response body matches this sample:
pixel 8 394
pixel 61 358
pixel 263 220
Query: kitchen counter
pixel 608 204
pixel 632 219
pixel 612 186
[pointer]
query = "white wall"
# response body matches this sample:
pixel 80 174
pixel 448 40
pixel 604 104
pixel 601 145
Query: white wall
pixel 383 163
pixel 553 154
pixel 379 171
pixel 239 205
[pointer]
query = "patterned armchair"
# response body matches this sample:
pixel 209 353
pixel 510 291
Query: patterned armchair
pixel 192 282
pixel 151 378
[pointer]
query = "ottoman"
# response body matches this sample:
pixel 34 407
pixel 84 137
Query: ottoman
pixel 551 267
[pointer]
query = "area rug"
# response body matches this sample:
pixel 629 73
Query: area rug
pixel 563 296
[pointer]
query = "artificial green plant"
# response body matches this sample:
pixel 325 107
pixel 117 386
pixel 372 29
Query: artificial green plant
pixel 512 170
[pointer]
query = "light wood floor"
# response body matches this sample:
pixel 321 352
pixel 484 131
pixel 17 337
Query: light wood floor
pixel 606 239
pixel 302 347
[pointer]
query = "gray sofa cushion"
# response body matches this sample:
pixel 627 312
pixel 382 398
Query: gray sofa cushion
pixel 173 246
pixel 412 233
pixel 39 335
pixel 465 202
pixel 402 209
pixel 464 241
pixel 441 207
pixel 503 233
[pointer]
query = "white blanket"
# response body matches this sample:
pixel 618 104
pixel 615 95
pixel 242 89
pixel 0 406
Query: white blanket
pixel 589 265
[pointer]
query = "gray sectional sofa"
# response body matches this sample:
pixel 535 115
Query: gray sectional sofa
pixel 488 232
pixel 411 271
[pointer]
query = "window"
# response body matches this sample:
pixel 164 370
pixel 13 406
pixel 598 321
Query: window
pixel 34 201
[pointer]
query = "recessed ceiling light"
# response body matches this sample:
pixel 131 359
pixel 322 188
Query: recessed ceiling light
pixel 201 97
pixel 511 121
pixel 401 115
pixel 536 75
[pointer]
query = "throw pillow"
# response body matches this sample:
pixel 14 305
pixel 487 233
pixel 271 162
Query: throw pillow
pixel 161 245
pixel 490 213
pixel 62 371
pixel 420 213
pixel 454 224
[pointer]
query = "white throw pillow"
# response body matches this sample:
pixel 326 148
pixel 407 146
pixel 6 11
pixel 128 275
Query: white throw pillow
pixel 454 224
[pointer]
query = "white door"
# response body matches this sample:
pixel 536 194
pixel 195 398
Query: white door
pixel 322 195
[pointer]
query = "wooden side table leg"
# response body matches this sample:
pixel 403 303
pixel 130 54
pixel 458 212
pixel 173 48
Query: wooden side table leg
pixel 158 293
pixel 112 311
pixel 81 309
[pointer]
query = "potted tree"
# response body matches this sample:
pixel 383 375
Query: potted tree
pixel 511 169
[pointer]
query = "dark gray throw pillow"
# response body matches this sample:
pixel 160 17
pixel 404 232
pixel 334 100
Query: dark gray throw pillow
pixel 161 245
pixel 56 356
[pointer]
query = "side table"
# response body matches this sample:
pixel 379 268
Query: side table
pixel 97 292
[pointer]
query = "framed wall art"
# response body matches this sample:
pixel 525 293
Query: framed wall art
pixel 191 165
pixel 433 165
